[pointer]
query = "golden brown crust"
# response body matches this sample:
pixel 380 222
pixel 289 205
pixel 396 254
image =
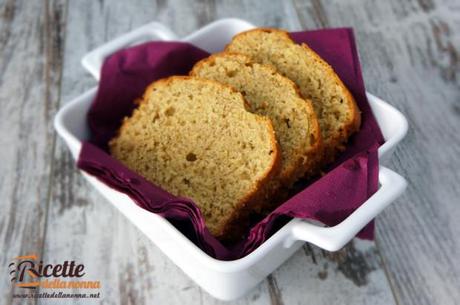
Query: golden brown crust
pixel 324 151
pixel 308 164
pixel 336 143
pixel 247 202
pixel 236 223
pixel 258 30
pixel 311 165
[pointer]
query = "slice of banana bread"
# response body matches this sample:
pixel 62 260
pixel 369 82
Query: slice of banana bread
pixel 195 138
pixel 337 111
pixel 275 96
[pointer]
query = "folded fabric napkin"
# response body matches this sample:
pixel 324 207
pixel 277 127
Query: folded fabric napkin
pixel 348 183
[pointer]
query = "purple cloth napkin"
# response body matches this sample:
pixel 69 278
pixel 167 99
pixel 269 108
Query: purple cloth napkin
pixel 349 182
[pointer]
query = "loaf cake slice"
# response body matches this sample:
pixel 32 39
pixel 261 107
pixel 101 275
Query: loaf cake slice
pixel 195 138
pixel 334 105
pixel 275 96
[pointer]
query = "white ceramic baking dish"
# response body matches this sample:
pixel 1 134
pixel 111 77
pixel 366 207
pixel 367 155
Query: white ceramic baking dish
pixel 229 280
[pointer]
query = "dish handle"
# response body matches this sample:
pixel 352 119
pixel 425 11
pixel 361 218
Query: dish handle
pixel 93 61
pixel 392 185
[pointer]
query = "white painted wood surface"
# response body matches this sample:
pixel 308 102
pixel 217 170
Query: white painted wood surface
pixel 410 57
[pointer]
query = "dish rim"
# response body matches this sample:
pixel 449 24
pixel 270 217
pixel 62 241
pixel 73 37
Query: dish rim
pixel 284 235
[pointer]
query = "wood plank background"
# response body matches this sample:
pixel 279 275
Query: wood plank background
pixel 410 57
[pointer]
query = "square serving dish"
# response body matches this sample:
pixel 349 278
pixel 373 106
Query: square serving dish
pixel 228 280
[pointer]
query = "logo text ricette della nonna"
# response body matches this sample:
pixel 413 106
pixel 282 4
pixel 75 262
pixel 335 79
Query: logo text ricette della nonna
pixel 28 271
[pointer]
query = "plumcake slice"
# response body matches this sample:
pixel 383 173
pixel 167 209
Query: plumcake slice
pixel 337 112
pixel 195 138
pixel 275 96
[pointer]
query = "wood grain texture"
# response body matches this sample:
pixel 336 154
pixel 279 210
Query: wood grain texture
pixel 82 225
pixel 74 205
pixel 410 57
pixel 30 68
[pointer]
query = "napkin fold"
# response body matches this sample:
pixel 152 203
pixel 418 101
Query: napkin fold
pixel 348 183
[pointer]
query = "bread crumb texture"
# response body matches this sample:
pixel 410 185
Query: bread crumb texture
pixel 335 107
pixel 275 96
pixel 194 138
